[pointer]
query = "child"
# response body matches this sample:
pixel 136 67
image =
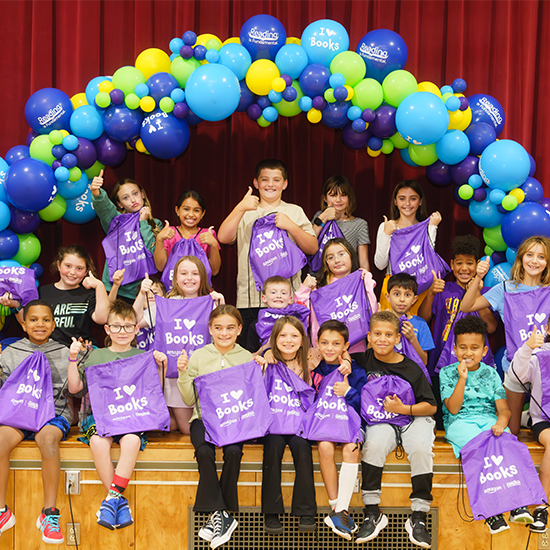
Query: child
pixel 471 391
pixel 289 344
pixel 333 344
pixel 190 209
pixel 407 208
pixel 214 496
pixel 402 295
pixel 121 329
pixel 529 272
pixel 270 180
pixel 145 336
pixel 127 197
pixel 380 439
pixel 338 203
pixel 528 367
pixel 38 322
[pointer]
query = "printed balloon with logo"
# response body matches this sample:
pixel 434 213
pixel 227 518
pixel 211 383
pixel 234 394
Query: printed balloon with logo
pixel 263 36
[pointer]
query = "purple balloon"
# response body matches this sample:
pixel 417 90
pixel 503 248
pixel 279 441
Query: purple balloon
pixel 192 119
pixel 464 103
pixel 254 111
pixel 533 165
pixel 462 171
pixel 439 174
pixel 368 115
pixel 264 102
pixel 247 97
pixel 498 257
pixel 457 198
pixel 30 136
pixel 287 78
pixel 109 151
pixel 181 110
pixel 16 153
pixel 383 126
pixel 85 153
pixel 545 202
pixel 56 164
pixel 319 102
pixel 353 140
pixel 501 209
pixel 117 96
pixel 23 222
pixel 187 52
pixel 480 194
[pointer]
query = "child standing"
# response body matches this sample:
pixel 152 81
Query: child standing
pixel 214 496
pixel 333 344
pixel 338 203
pixel 38 322
pixel 121 329
pixel 474 400
pixel 380 439
pixel 270 180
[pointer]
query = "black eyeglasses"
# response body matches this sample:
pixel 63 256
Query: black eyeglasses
pixel 115 329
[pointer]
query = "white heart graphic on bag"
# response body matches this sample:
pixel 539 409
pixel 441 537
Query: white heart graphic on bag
pixel 540 317
pixel 415 248
pixel 347 298
pixel 268 234
pixel 36 376
pixel 497 459
pixel 129 390
pixel 189 324
pixel 236 394
pixel 287 388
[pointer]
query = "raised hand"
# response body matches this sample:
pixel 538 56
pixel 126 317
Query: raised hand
pixel 483 267
pixel 207 237
pixel 462 370
pixel 340 388
pixel 435 219
pixel 144 213
pixel 183 361
pixel 118 276
pixel 97 184
pixel 389 226
pixel 146 284
pixel 438 284
pixel 90 281
pixel 250 201
pixel 536 339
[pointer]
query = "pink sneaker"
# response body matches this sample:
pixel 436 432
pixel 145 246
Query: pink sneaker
pixel 7 520
pixel 48 523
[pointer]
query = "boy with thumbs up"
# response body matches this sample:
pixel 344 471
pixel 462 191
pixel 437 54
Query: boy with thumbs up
pixel 270 180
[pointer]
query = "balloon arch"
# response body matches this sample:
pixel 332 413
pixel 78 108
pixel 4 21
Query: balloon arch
pixel 367 93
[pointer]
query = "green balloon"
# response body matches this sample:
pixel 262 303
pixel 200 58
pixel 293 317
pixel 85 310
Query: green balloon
pixel 213 44
pixel 465 192
pixel 103 99
pixel 423 155
pixel 493 238
pixel 399 142
pixel 488 251
pixel 351 65
pixel 132 101
pixel 329 95
pixel 509 202
pixel 290 108
pixel 56 137
pixel 263 122
pixel 29 249
pixel 55 210
pixel 166 104
pixel 182 68
pixel 397 86
pixel 368 94
pixel 127 78
pixel 41 148
pixel 94 169
pixel 387 147
pixel 75 174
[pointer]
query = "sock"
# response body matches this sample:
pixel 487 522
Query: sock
pixel 117 487
pixel 346 482
pixel 332 503
pixel 2 510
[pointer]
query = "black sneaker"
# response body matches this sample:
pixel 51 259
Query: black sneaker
pixel 417 530
pixel 224 525
pixel 540 519
pixel 307 524
pixel 272 525
pixel 497 524
pixel 372 525
pixel 207 530
pixel 521 515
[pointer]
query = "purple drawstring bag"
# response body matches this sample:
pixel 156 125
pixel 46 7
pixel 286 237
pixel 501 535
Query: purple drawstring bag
pixel 27 395
pixel 126 396
pixel 20 281
pixel 330 231
pixel 407 349
pixel 184 247
pixel 289 397
pixel 522 312
pixel 412 253
pixel 181 324
pixel 500 475
pixel 268 316
pixel 234 404
pixel 372 400
pixel 272 252
pixel 344 300
pixel 330 418
pixel 124 249
pixel 145 338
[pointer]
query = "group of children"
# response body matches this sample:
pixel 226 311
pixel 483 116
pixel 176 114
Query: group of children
pixel 451 374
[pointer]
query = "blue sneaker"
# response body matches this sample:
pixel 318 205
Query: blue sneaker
pixel 123 514
pixel 339 523
pixel 107 513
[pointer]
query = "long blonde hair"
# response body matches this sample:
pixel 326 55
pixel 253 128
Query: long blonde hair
pixel 517 272
pixel 204 289
pixel 301 356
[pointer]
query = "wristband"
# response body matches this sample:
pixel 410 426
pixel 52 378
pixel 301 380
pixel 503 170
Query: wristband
pixel 411 411
pixel 73 360
pixel 319 222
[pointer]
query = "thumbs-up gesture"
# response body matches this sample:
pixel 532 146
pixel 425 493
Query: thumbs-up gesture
pixel 345 364
pixel 183 361
pixel 91 281
pixel 438 284
pixel 250 201
pixel 97 184
pixel 146 284
pixel 483 267
pixel 389 226
pixel 536 339
pixel 118 276
pixel 166 232
pixel 341 388
pixel 207 237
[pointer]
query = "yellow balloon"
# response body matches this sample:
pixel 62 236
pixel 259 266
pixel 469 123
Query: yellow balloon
pixel 153 61
pixel 260 76
pixel 428 87
pixel 518 193
pixel 64 132
pixel 314 116
pixel 278 84
pixel 105 86
pixel 147 103
pixel 456 122
pixel 140 147
pixel 232 40
pixel 78 100
pixel 293 40
pixel 373 153
pixel 202 39
pixel 350 90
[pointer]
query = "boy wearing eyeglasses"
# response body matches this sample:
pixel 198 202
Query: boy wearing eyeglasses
pixel 120 343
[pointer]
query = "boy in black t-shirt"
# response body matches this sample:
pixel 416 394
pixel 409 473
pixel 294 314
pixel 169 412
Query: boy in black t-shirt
pixel 381 439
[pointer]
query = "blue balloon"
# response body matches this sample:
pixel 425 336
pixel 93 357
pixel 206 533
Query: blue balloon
pixel 22 222
pixel 121 123
pixel 5 216
pixel 176 44
pixel 48 109
pixel 192 119
pixel 177 95
pixel 496 196
pixel 335 115
pixel 314 80
pixel 406 157
pixel 485 213
pixel 263 36
pixel 383 51
pixel 72 189
pixel 533 166
pixel 86 122
pixel 93 87
pixel 30 185
pixel 247 97
pixel 4 168
pixel 453 147
pixel 9 244
pixel 70 142
pixel 526 220
pixel 212 56
pixel 17 152
pixel 236 58
pixel 62 173
pixel 323 40
pixel 165 136
pixel 533 190
pixel 511 255
pixel 264 102
pixel 80 210
pixel 422 118
pixel 38 269
pixel 504 165
pixel 291 59
pixel 58 151
pixel 498 274
pixel 141 90
pixel 487 109
pixel 480 135
pixel 270 114
pixel 161 85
